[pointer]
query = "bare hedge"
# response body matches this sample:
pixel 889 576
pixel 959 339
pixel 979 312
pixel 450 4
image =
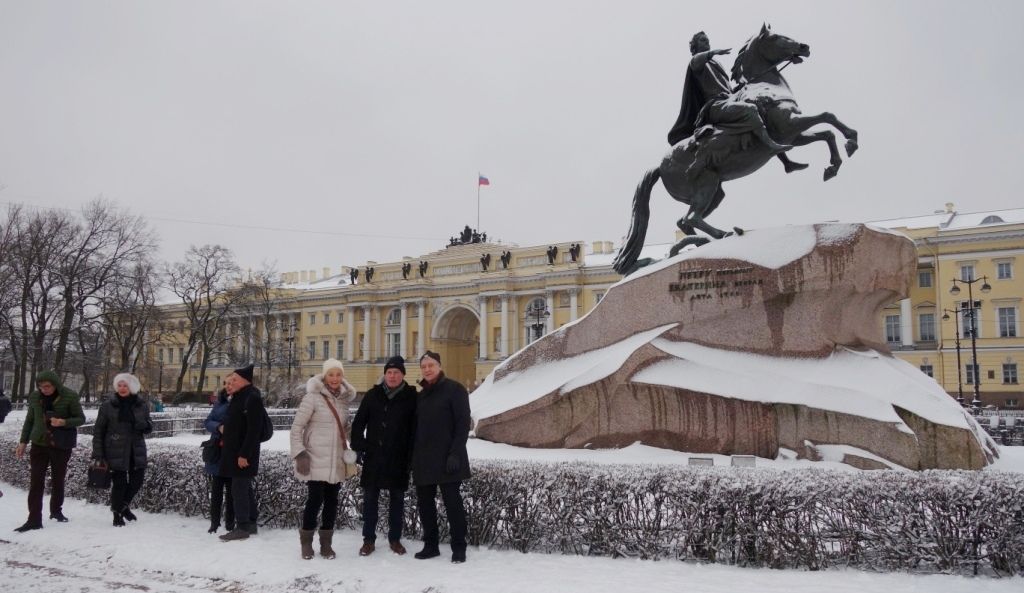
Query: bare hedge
pixel 933 521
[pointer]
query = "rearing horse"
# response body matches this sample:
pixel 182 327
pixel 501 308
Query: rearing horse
pixel 756 71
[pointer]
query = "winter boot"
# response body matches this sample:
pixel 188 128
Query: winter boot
pixel 128 514
pixel 458 555
pixel 214 526
pixel 428 551
pixel 397 548
pixel 326 537
pixel 59 517
pixel 29 526
pixel 306 541
pixel 118 519
pixel 368 547
pixel 235 534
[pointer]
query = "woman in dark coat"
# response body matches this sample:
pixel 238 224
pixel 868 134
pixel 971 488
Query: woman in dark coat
pixel 439 458
pixel 118 440
pixel 218 483
pixel 382 433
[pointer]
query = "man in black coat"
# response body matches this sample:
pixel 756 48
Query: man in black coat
pixel 240 456
pixel 382 433
pixel 439 456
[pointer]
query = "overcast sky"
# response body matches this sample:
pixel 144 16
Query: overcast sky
pixel 370 120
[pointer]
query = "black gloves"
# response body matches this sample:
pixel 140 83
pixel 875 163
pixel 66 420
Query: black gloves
pixel 453 465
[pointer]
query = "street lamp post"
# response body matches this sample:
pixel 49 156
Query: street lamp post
pixel 539 313
pixel 160 377
pixel 959 368
pixel 291 352
pixel 972 313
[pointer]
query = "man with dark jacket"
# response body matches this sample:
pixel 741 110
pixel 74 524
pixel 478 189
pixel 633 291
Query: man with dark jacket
pixel 51 425
pixel 382 434
pixel 5 406
pixel 439 456
pixel 240 456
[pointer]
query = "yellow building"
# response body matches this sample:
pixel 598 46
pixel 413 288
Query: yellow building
pixel 988 249
pixel 474 303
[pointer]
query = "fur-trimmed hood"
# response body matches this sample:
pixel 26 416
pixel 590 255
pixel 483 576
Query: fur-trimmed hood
pixel 316 385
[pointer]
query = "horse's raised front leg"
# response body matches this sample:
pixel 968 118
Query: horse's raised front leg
pixel 826 136
pixel 801 123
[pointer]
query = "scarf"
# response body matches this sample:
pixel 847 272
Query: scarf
pixel 391 393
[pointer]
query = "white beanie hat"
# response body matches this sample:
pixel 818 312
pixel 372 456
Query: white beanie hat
pixel 333 363
pixel 133 382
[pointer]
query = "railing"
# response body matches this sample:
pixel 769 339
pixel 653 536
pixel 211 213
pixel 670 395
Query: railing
pixel 167 424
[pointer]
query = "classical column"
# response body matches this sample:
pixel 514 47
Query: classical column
pixel 403 334
pixel 421 323
pixel 350 337
pixel 367 309
pixel 549 323
pixel 906 323
pixel 484 333
pixel 573 303
pixel 504 326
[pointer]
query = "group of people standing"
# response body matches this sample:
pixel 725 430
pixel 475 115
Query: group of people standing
pixel 53 416
pixel 396 431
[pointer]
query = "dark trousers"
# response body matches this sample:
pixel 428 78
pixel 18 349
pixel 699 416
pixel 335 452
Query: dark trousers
pixel 321 494
pixel 244 498
pixel 371 506
pixel 453 507
pixel 124 487
pixel 41 458
pixel 218 487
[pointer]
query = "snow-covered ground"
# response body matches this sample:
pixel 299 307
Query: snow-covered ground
pixel 170 553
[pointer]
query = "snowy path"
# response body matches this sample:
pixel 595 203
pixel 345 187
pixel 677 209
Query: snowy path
pixel 170 553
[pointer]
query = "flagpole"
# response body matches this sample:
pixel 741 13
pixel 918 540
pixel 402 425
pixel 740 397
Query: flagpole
pixel 478 201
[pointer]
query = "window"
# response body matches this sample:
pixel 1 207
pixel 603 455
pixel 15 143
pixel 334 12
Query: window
pixel 361 345
pixel 924 279
pixel 327 349
pixel 495 304
pixel 312 318
pixel 497 339
pixel 160 355
pixel 393 343
pixel 967 272
pixel 1004 270
pixel 969 374
pixel 327 317
pixel 341 349
pixel 563 299
pixel 181 355
pixel 928 370
pixel 1007 322
pixel 1012 402
pixel 926 326
pixel 394 317
pixel 311 350
pixel 341 316
pixel 1009 372
pixel 892 329
pixel 598 296
pixel 966 317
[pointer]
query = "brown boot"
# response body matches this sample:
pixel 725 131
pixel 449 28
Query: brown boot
pixel 326 537
pixel 306 541
pixel 368 548
pixel 398 548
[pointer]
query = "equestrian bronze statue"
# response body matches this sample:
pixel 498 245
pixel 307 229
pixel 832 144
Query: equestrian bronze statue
pixel 727 130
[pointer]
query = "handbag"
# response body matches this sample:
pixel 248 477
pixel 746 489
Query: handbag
pixel 98 475
pixel 211 450
pixel 348 457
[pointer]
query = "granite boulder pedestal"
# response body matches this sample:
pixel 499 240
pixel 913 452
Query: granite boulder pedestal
pixel 759 344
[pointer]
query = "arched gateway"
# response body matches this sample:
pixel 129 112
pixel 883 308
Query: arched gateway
pixel 456 337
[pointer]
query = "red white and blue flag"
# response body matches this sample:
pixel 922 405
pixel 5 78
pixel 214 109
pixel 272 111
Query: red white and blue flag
pixel 482 180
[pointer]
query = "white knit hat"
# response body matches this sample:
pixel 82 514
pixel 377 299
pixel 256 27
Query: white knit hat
pixel 333 363
pixel 133 382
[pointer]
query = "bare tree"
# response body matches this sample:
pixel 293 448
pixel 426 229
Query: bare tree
pixel 205 282
pixel 98 251
pixel 261 300
pixel 131 318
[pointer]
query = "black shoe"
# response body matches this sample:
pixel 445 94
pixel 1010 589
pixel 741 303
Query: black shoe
pixel 118 519
pixel 29 526
pixel 458 556
pixel 128 514
pixel 427 552
pixel 213 528
pixel 235 535
pixel 59 517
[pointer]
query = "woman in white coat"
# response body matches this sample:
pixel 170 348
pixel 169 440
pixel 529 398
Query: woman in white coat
pixel 319 447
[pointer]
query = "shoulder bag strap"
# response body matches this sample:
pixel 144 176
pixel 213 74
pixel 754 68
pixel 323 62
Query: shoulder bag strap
pixel 341 427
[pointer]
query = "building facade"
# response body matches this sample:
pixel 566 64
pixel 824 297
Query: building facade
pixel 932 329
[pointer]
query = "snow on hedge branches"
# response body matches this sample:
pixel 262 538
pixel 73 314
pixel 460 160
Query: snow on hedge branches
pixel 932 521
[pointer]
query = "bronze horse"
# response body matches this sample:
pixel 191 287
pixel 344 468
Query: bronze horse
pixel 756 72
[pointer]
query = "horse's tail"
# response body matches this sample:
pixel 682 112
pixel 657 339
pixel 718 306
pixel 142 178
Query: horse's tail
pixel 630 250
